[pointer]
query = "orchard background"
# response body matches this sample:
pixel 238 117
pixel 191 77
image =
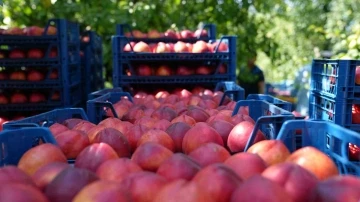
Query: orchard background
pixel 287 34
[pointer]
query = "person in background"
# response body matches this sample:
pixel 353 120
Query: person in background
pixel 251 78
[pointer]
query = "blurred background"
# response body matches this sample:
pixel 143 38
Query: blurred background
pixel 287 34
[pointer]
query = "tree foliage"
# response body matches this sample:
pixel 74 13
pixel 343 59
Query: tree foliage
pixel 286 34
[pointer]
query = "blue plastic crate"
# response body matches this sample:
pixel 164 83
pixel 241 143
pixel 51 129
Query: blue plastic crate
pixel 72 99
pixel 336 111
pixel 273 100
pixel 121 30
pixel 330 138
pixel 99 93
pixel 97 108
pixel 92 63
pixel 16 142
pixel 48 118
pixel 268 117
pixel 335 78
pixel 123 63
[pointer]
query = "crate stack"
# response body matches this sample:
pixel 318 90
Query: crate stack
pixel 334 95
pixel 166 61
pixel 40 68
pixel 91 63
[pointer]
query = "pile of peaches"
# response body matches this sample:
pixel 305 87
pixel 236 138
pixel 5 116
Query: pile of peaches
pixel 172 147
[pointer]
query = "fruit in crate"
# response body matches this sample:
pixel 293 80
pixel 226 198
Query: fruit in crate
pixel 271 151
pixel 170 34
pixel 53 53
pixel 3 99
pixel 163 70
pixel 55 96
pixel 200 33
pixel 200 47
pixel 355 116
pixel 35 53
pixel 35 75
pixel 138 34
pixel 221 47
pixel 357 75
pixel 33 31
pixel 180 47
pixel 186 34
pixel 354 152
pixel 142 47
pixel 21 193
pixel 184 70
pixel 203 70
pixel 161 47
pixel 18 75
pixel 16 54
pixel 37 97
pixel 13 31
pixel 18 98
pixel 153 34
pixel 143 70
pixel 51 30
pixel 54 74
pixel 129 47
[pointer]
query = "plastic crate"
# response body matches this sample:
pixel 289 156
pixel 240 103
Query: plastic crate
pixel 92 63
pixel 16 142
pixel 124 63
pixel 273 100
pixel 121 30
pixel 330 138
pixel 48 118
pixel 335 78
pixel 336 111
pixel 99 93
pixel 97 108
pixel 268 117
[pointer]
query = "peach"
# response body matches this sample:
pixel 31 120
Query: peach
pixel 57 128
pixel 314 161
pixel 209 153
pixel 257 188
pixel 102 191
pixel 296 181
pixel 164 112
pixel 194 100
pixel 117 169
pixel 238 118
pixel 134 113
pixel 145 121
pixel 240 134
pixel 184 118
pixel 15 192
pixel 149 156
pixel 157 136
pixel 177 132
pixel 12 174
pixel 162 124
pixel 68 183
pixel 200 134
pixel 207 104
pixel 93 131
pixel 271 151
pixel 223 128
pixel 110 122
pixel 72 142
pixel 143 186
pixel 134 134
pixel 71 123
pixel 142 47
pixel 180 47
pixel 246 165
pixel 220 185
pixel 172 99
pixel 224 115
pixel 184 191
pixel 178 166
pixel 47 173
pixel 337 189
pixel 94 155
pixel 115 139
pixel 84 126
pixel 200 47
pixel 197 113
pixel 38 156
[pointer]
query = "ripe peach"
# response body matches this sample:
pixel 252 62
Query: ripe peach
pixel 197 113
pixel 162 124
pixel 246 165
pixel 164 112
pixel 157 136
pixel 47 173
pixel 12 174
pixel 149 156
pixel 72 142
pixel 71 123
pixel 115 139
pixel 38 156
pixel 117 169
pixel 84 126
pixel 57 128
pixel 93 131
pixel 223 128
pixel 209 153
pixel 177 132
pixel 15 192
pixel 184 118
pixel 134 134
pixel 271 151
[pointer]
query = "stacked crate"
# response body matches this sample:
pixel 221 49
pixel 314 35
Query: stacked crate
pixel 92 63
pixel 153 69
pixel 334 93
pixel 40 68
